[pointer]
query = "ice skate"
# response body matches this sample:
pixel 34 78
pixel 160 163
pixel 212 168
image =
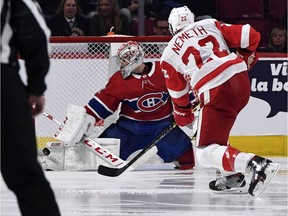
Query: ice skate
pixel 229 184
pixel 262 171
pixel 185 161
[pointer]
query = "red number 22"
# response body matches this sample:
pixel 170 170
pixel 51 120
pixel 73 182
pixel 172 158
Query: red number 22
pixel 191 50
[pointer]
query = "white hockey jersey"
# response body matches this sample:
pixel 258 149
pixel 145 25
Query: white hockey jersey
pixel 201 51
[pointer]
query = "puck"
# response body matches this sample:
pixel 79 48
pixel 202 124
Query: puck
pixel 46 151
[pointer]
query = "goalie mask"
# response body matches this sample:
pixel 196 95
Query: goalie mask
pixel 179 18
pixel 129 56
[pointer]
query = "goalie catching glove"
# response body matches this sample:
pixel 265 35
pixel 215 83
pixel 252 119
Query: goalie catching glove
pixel 250 57
pixel 183 115
pixel 77 123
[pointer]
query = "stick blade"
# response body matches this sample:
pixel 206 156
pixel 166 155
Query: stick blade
pixel 148 152
pixel 110 171
pixel 139 159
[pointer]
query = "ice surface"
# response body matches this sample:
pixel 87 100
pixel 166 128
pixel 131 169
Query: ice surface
pixel 155 190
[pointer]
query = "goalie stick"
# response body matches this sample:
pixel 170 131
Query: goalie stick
pixel 94 147
pixel 113 172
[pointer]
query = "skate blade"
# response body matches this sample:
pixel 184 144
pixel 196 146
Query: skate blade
pixel 232 191
pixel 270 172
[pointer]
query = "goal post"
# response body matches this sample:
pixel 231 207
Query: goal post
pixel 79 67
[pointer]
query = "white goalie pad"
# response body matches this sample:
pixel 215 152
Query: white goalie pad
pixel 77 123
pixel 55 159
pixel 78 157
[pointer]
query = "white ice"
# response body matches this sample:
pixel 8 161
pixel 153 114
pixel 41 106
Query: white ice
pixel 155 190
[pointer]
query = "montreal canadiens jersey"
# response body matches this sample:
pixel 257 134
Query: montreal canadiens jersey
pixel 201 51
pixel 139 97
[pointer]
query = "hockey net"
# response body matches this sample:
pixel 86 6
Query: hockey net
pixel 81 66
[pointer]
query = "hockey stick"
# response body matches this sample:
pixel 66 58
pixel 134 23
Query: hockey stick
pixel 113 172
pixel 145 153
pixel 94 147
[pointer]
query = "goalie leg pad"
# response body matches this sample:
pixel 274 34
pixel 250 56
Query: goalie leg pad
pixel 55 159
pixel 78 157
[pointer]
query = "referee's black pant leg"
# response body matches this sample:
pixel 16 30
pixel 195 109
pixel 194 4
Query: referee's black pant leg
pixel 19 165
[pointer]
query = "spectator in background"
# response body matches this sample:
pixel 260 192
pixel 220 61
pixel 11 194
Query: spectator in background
pixel 132 6
pixel 69 20
pixel 278 40
pixel 161 26
pixel 125 11
pixel 157 26
pixel 107 18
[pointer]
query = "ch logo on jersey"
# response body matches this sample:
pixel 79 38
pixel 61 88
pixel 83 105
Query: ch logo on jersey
pixel 150 102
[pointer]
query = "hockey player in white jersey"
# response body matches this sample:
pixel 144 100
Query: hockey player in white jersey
pixel 221 82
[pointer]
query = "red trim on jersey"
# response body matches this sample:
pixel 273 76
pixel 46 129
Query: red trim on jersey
pixel 216 72
pixel 228 158
pixel 233 35
pixel 175 81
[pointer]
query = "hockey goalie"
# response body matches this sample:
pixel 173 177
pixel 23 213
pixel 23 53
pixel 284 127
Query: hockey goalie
pixel 138 92
pixel 75 149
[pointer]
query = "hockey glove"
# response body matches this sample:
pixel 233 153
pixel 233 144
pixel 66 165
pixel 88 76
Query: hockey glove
pixel 250 57
pixel 183 115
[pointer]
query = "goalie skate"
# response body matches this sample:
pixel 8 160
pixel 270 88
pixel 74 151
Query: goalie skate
pixel 263 171
pixel 232 184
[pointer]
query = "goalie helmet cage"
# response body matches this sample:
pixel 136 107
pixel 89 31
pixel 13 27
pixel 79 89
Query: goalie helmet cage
pixel 81 66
